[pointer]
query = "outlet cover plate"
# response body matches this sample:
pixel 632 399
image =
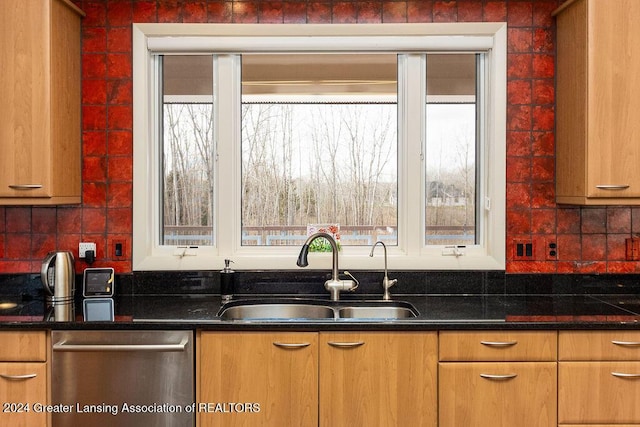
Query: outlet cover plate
pixel 83 247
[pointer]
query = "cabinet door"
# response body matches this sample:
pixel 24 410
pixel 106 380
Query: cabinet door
pixel 24 82
pixel 504 394
pixel 599 345
pixel 378 379
pixel 23 346
pixel 258 379
pixel 614 97
pixel 21 386
pixel 493 346
pixel 599 392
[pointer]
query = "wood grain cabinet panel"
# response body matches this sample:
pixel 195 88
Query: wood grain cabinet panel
pixel 497 378
pixel 599 345
pixel 23 385
pixel 378 379
pixel 505 394
pixel 40 89
pixel 597 100
pixel 599 392
pixel 23 378
pixel 599 377
pixel 23 346
pixel 498 346
pixel 276 370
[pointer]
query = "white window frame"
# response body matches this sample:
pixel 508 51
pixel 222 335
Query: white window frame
pixel 229 40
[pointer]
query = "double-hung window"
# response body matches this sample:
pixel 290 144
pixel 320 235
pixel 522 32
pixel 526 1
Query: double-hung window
pixel 247 138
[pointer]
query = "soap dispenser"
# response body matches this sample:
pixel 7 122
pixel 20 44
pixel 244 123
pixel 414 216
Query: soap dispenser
pixel 227 281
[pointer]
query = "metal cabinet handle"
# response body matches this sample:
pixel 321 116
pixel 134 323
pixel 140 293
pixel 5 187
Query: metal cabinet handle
pixel 25 186
pixel 498 377
pixel 292 345
pixel 18 377
pixel 63 346
pixel 346 344
pixel 623 375
pixel 498 343
pixel 626 343
pixel 612 187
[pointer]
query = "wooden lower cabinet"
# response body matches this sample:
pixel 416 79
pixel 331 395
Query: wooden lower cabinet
pixel 23 378
pixel 378 379
pixel 599 378
pixel 505 394
pixel 497 378
pixel 386 379
pixel 23 386
pixel 258 379
pixel 310 379
pixel 599 392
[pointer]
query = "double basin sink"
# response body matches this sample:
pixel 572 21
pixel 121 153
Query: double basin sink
pixel 314 310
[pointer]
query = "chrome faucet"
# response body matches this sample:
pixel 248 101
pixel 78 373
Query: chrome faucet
pixel 386 283
pixel 334 285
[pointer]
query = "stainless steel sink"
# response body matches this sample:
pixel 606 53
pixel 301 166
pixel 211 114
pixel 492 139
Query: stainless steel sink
pixel 277 311
pixel 315 310
pixel 377 312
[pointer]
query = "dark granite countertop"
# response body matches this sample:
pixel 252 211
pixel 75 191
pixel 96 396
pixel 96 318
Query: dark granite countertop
pixel 444 300
pixel 491 311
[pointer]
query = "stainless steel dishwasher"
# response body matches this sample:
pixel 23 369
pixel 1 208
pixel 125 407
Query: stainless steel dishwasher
pixel 122 378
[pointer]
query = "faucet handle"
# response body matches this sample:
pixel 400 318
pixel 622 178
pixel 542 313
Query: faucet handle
pixel 386 284
pixel 354 279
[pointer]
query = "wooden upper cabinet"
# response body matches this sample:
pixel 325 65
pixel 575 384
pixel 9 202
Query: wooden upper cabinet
pixel 598 99
pixel 40 89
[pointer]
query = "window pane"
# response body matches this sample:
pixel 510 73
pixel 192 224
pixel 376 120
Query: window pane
pixel 451 150
pixel 319 148
pixel 187 165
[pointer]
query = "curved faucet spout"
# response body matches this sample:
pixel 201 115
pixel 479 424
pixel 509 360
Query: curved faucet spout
pixel 302 258
pixel 335 285
pixel 373 248
pixel 386 283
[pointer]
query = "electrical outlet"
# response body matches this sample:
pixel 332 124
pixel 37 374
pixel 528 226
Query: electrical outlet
pixel 551 250
pixel 83 247
pixel 523 250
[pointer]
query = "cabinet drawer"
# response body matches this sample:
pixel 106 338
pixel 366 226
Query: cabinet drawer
pixel 23 346
pixel 21 386
pixel 505 394
pixel 603 345
pixel 599 392
pixel 484 346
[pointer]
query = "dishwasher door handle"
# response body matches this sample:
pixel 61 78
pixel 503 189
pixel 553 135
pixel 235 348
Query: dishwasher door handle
pixel 63 346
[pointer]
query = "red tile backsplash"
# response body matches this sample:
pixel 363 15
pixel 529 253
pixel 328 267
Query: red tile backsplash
pixel 469 11
pixel 445 11
pixel 94 39
pixel 370 12
pixel 495 11
pixel 394 12
pixel 144 11
pixel 18 220
pixel 589 240
pixel 520 13
pixel 94 194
